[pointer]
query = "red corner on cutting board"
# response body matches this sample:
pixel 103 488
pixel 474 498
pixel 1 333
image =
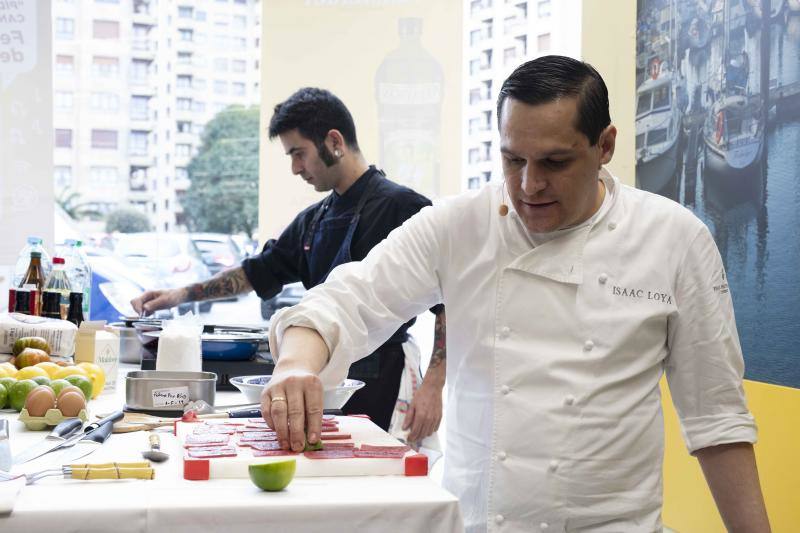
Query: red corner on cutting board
pixel 196 469
pixel 416 465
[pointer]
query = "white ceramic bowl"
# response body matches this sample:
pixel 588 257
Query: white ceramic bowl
pixel 252 386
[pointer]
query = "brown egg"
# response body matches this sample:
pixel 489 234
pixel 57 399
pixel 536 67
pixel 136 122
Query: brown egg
pixel 69 388
pixel 70 403
pixel 39 400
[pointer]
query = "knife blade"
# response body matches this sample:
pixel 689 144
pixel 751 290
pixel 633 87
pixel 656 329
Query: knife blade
pixel 5 450
pixel 90 442
pixel 56 438
pixel 113 417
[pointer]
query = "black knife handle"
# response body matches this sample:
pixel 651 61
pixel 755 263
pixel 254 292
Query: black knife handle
pixel 100 434
pixel 113 417
pixel 66 428
pixel 245 413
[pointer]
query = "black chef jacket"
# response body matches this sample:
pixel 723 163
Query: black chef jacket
pixel 284 260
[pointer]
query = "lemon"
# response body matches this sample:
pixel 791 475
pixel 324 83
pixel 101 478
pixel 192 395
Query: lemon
pixel 9 369
pixel 50 367
pixel 70 371
pixel 97 375
pixel 31 372
pixel 4 373
pixel 273 476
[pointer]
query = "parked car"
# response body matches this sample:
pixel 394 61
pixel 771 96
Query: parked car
pixel 218 250
pixel 171 259
pixel 289 296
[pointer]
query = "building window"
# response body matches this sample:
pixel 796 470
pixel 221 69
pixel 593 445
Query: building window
pixel 103 176
pixel 105 29
pixel 239 43
pixel 474 156
pixel 65 28
pixel 183 150
pixel 238 65
pixel 474 37
pixel 509 55
pixel 220 64
pixel 62 177
pixel 181 173
pixel 184 127
pixel 184 58
pixel 63 138
pixel 137 143
pixel 105 67
pixel 543 9
pixel 523 44
pixel 65 65
pixel 474 96
pixel 186 35
pixel 220 87
pixel 184 104
pixel 63 100
pixel 543 42
pixel 239 21
pixel 104 102
pixel 184 82
pixel 486 59
pixel 522 11
pixel 199 84
pixel 104 139
pixel 473 183
pixel 237 89
pixel 140 108
pixel 140 71
pixel 185 12
pixel 474 66
pixel 198 106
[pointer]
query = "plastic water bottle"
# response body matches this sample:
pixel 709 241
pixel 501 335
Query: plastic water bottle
pixel 80 274
pixel 58 282
pixel 34 244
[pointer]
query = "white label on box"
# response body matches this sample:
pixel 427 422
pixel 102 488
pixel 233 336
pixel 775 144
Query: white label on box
pixel 176 396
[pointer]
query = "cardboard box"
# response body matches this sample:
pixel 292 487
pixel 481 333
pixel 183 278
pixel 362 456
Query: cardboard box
pixel 99 345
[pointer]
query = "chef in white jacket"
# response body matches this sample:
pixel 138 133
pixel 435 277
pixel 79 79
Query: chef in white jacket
pixel 568 294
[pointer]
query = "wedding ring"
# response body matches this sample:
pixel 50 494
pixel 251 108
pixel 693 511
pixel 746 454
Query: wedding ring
pixel 278 399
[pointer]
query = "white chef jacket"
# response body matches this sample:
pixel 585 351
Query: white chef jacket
pixel 554 352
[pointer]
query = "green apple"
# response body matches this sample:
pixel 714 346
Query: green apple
pixel 58 385
pixel 83 383
pixel 3 397
pixel 19 392
pixel 41 380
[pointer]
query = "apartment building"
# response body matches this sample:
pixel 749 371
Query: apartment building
pixel 498 36
pixel 135 82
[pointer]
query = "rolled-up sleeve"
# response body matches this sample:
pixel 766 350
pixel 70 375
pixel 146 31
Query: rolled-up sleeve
pixel 705 365
pixel 362 303
pixel 278 263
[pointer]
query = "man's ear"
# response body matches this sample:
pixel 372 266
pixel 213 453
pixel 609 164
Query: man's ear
pixel 606 144
pixel 335 141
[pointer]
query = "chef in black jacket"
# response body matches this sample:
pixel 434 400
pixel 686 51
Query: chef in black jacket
pixel 318 134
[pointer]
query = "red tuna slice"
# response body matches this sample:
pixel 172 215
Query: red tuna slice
pixel 374 454
pixel 372 448
pixel 193 441
pixel 339 453
pixel 213 451
pixel 272 453
pixel 335 436
pixel 258 436
pixel 260 445
pixel 333 445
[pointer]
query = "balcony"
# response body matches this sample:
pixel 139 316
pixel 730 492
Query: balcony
pixel 144 13
pixel 141 159
pixel 182 184
pixel 144 49
pixel 142 86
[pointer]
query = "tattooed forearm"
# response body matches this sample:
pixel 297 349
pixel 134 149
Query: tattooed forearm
pixel 225 284
pixel 439 341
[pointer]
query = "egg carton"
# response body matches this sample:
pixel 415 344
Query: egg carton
pixel 51 418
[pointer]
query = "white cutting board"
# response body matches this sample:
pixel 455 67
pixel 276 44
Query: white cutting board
pixel 362 431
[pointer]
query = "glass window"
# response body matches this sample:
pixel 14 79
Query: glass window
pixel 510 55
pixel 65 65
pixel 473 183
pixel 661 97
pixel 63 100
pixel 198 105
pixel 65 28
pixel 186 35
pixel 105 67
pixel 63 138
pixel 199 84
pixel 137 143
pixel 184 126
pixel 220 87
pixel 62 177
pixel 185 12
pixel 221 64
pixel 140 108
pixel 103 176
pixel 643 105
pixel 239 43
pixel 184 104
pixel 543 9
pixel 239 21
pixel 183 150
pixel 105 29
pixel 184 58
pixel 543 42
pixel 104 139
pixel 657 136
pixel 184 82
pixel 237 89
pixel 104 102
pixel 181 173
pixel 238 65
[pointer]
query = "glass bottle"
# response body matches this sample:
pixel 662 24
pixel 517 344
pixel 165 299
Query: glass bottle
pixel 34 276
pixel 51 304
pixel 22 302
pixel 58 282
pixel 75 313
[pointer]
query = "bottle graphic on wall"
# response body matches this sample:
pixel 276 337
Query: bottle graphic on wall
pixel 408 90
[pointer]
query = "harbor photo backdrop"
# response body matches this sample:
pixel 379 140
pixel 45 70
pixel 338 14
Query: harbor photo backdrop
pixel 718 130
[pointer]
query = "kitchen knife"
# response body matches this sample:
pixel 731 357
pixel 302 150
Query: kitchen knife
pixel 88 444
pixel 113 417
pixel 55 439
pixel 5 449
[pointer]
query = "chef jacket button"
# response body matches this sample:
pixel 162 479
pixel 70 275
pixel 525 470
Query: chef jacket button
pixel 588 346
pixel 552 465
pixel 612 226
pixel 569 400
pixel 504 331
pixel 602 278
pixel 502 456
pixel 505 389
pixel 499 519
pixel 544 525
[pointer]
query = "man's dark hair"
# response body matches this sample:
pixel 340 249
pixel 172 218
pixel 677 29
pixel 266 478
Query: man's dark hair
pixel 548 78
pixel 313 113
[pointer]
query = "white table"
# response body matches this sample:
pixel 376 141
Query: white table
pixel 171 504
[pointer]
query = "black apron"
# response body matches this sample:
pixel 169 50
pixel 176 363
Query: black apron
pixel 381 370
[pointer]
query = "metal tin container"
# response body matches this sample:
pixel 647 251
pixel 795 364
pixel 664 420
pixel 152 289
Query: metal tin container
pixel 155 390
pixel 130 348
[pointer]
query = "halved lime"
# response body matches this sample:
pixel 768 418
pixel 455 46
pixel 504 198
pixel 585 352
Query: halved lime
pixel 273 476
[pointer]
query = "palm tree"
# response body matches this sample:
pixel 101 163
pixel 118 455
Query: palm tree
pixel 69 201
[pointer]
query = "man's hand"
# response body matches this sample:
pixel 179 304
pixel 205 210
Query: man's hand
pixel 292 406
pixel 425 412
pixel 150 301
